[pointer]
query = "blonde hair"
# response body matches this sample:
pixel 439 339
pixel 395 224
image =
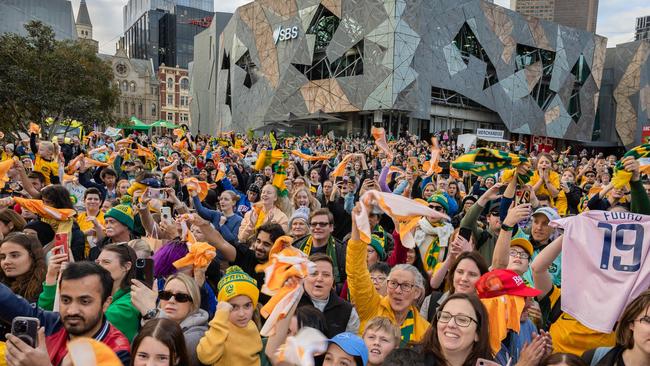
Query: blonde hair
pixel 313 202
pixel 191 286
pixel 140 245
pixel 384 324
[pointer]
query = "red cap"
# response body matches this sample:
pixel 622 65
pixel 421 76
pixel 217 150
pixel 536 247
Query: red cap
pixel 503 282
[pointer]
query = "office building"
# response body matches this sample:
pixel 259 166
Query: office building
pixel 581 14
pixel 458 66
pixel 85 27
pixel 57 14
pixel 166 36
pixel 134 9
pixel 642 28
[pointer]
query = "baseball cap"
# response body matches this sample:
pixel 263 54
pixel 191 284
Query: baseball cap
pixel 351 344
pixel 503 282
pixel 524 244
pixel 495 208
pixel 550 213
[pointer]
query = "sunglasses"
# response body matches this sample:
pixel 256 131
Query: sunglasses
pixel 437 208
pixel 319 224
pixel 180 297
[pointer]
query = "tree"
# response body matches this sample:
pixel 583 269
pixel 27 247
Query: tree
pixel 41 77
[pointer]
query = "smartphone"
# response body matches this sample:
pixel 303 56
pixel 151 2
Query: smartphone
pixel 465 233
pixel 144 271
pixel 525 197
pixel 166 213
pixel 26 329
pixel 61 240
pixel 156 193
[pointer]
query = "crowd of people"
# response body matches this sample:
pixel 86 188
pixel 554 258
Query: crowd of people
pixel 312 250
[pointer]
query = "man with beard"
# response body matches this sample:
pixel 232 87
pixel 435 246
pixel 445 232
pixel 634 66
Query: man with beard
pixel 243 255
pixel 84 296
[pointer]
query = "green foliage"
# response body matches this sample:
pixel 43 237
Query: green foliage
pixel 41 77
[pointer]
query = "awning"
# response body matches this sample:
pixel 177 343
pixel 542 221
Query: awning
pixel 493 139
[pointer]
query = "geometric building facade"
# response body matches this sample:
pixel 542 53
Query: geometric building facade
pixel 303 56
pixel 625 103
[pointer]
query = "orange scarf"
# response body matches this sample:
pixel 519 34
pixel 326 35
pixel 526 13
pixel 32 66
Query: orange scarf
pixel 379 133
pixel 405 211
pixel 504 314
pixel 285 262
pixel 340 169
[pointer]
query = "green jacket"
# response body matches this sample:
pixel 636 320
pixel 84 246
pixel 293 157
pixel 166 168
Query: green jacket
pixel 120 313
pixel 486 239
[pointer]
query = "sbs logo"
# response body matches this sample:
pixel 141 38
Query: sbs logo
pixel 281 34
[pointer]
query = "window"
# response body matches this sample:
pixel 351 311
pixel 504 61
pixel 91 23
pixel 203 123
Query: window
pixel 133 86
pixel 125 110
pixel 184 118
pixel 125 86
pixel 140 110
pixel 170 84
pixel 170 117
pixel 581 73
pixel 154 110
pixel 170 99
pixel 529 56
pixel 184 101
pixel 468 45
pixel 185 84
pixel 132 108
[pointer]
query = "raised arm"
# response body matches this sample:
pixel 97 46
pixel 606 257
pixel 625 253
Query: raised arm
pixel 362 291
pixel 542 262
pixel 501 255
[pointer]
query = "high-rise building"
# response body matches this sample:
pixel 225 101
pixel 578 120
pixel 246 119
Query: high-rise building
pixel 14 14
pixel 134 9
pixel 85 26
pixel 642 28
pixel 166 36
pixel 580 14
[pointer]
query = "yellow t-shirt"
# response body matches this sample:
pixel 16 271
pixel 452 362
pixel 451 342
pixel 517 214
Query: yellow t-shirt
pixel 46 167
pixel 569 335
pixel 554 179
pixel 87 225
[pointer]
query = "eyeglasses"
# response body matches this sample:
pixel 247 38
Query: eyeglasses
pixel 437 208
pixel 378 279
pixel 406 287
pixel 522 255
pixel 460 320
pixel 180 297
pixel 319 224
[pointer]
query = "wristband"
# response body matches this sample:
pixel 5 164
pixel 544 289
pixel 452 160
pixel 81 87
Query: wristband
pixel 506 227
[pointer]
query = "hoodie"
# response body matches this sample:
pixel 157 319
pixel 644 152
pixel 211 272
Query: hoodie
pixel 193 326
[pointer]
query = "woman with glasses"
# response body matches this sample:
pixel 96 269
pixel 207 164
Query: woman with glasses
pixel 179 301
pixel 405 285
pixel 458 334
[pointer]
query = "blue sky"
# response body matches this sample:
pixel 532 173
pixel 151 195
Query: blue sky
pixel 616 18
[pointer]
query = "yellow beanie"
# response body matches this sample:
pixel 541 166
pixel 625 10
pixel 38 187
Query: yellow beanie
pixel 237 282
